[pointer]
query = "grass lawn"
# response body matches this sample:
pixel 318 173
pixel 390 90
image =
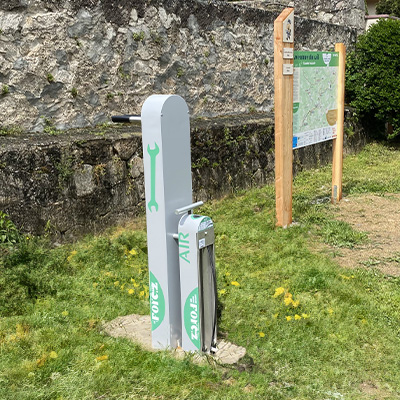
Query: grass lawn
pixel 312 329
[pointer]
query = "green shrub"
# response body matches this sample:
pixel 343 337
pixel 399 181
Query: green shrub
pixel 8 231
pixel 373 79
pixel 391 7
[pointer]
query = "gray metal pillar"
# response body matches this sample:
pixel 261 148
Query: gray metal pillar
pixel 168 186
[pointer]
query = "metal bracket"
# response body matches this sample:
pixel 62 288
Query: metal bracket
pixel 188 208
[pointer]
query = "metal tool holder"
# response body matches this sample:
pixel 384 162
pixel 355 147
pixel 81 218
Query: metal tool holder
pixel 168 186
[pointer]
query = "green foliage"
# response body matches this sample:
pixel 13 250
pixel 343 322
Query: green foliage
pixel 49 127
pixel 10 130
pixel 5 90
pixel 50 78
pixel 138 36
pixel 373 79
pixel 297 313
pixel 391 7
pixel 28 272
pixel 341 234
pixel 8 231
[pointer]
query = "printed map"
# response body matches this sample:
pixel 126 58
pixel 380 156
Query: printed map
pixel 314 97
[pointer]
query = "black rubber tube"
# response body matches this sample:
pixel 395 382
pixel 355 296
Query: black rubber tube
pixel 214 275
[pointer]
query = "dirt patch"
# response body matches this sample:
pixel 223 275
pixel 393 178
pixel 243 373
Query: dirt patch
pixel 374 391
pixel 379 217
pixel 138 329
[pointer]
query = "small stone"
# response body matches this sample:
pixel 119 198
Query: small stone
pixel 136 167
pixel 83 180
pixel 134 16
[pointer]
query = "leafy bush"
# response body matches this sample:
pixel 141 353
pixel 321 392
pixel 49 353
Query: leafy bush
pixel 8 231
pixel 373 79
pixel 391 7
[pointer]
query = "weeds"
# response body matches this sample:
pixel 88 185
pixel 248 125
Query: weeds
pixel 9 233
pixel 297 313
pixel 5 90
pixel 49 127
pixel 13 130
pixel 138 36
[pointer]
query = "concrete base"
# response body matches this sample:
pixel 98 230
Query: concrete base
pixel 138 329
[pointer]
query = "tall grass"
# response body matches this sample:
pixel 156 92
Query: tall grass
pixel 312 330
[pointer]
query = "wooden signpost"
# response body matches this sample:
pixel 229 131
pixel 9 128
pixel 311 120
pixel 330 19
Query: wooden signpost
pixel 337 144
pixel 283 74
pixel 319 108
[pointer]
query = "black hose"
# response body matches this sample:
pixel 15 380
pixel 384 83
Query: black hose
pixel 214 276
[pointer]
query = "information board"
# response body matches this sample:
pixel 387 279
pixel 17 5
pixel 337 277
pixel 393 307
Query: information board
pixel 315 93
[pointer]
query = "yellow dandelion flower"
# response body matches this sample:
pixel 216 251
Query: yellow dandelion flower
pixel 53 355
pixel 279 291
pixel 330 311
pixel 65 313
pixel 40 362
pixel 288 301
pixel 261 334
pixel 364 321
pixel 136 285
pixel 131 291
pixel 102 358
pixel 133 280
pixel 222 291
pixel 275 316
pixel 141 293
pixel 234 283
pixel 297 317
pixel 72 255
pixel 288 318
pixel 305 316
pixel 295 304
pixel 133 252
pixel 116 283
pixel 227 274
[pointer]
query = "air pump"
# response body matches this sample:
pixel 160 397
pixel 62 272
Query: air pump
pixel 198 282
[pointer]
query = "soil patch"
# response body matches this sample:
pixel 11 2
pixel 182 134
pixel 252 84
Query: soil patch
pixel 379 217
pixel 138 329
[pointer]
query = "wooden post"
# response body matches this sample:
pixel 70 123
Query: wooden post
pixel 337 145
pixel 283 75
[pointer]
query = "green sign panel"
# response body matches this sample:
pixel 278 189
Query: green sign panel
pixel 315 88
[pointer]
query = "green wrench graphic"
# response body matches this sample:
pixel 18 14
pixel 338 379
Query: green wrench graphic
pixel 153 154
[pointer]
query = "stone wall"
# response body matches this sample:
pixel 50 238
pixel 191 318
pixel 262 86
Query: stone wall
pixel 338 12
pixel 71 64
pixel 74 63
pixel 85 180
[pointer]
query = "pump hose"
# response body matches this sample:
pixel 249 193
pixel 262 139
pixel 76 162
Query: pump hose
pixel 214 276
